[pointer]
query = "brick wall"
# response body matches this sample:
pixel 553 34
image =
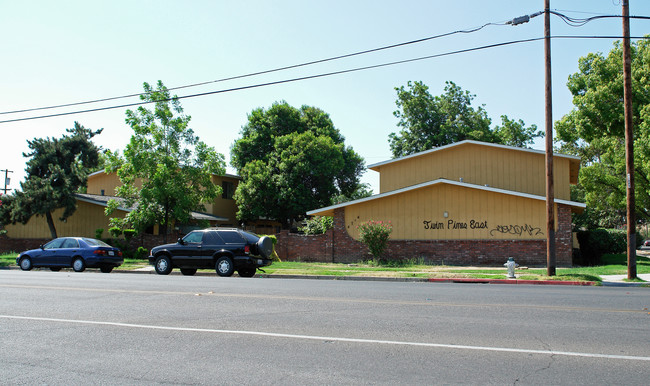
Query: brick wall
pixel 148 241
pixel 337 246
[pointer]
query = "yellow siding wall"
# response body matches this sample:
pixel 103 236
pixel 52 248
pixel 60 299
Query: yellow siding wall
pixel 103 181
pixel 508 169
pixel 83 223
pixel 224 207
pixel 493 215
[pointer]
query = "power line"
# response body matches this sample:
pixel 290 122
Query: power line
pixel 576 22
pixel 466 31
pixel 317 75
pixel 569 20
pixel 277 82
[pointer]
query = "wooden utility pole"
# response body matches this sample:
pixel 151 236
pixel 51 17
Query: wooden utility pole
pixel 629 144
pixel 550 197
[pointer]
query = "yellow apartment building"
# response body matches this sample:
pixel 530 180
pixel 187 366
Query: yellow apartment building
pixel 466 203
pixel 90 216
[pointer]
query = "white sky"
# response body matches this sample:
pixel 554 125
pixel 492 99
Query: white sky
pixel 57 52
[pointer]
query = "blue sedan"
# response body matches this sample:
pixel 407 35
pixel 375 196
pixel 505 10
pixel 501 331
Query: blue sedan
pixel 76 252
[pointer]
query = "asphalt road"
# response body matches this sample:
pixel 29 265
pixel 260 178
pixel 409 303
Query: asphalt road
pixel 66 328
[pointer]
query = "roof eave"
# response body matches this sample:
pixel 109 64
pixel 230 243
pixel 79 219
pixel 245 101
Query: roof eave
pixel 330 209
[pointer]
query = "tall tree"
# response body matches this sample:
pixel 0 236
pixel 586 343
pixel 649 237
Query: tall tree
pixel 57 168
pixel 166 171
pixel 291 161
pixel 594 130
pixel 428 121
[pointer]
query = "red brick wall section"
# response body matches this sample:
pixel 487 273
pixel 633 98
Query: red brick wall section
pixel 337 246
pixel 18 245
pixel 148 241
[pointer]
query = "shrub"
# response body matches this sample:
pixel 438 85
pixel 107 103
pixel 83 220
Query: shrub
pixel 317 225
pixel 141 253
pixel 595 243
pixel 99 232
pixel 129 234
pixel 375 235
pixel 115 231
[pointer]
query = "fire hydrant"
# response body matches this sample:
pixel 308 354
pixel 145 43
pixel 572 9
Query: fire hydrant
pixel 511 265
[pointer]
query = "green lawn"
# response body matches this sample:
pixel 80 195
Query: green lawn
pixel 612 265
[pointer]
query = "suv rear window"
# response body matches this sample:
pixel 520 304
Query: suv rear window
pixel 231 237
pixel 250 237
pixel 212 238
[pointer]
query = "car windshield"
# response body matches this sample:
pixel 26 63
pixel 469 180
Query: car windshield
pixel 96 243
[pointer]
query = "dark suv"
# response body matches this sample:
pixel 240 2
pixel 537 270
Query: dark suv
pixel 225 249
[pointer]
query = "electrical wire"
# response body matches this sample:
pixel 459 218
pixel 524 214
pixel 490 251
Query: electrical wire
pixel 465 31
pixel 320 75
pixel 282 81
pixel 577 22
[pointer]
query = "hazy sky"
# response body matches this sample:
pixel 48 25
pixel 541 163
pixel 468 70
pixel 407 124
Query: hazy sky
pixel 57 52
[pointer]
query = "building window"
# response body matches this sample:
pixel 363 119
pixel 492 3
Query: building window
pixel 228 190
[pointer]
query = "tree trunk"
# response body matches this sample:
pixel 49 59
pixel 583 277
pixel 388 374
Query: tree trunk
pixel 163 226
pixel 50 223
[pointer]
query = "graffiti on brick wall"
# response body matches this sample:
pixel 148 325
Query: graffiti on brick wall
pixel 517 230
pixel 510 229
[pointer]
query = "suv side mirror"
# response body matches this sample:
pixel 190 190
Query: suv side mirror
pixel 180 241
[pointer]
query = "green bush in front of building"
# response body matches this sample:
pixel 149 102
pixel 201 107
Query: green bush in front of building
pixel 597 242
pixel 317 225
pixel 375 235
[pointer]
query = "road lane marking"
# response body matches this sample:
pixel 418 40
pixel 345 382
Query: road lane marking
pixel 333 339
pixel 325 299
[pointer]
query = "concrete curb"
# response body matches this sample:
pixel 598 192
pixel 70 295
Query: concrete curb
pixel 457 280
pixel 513 281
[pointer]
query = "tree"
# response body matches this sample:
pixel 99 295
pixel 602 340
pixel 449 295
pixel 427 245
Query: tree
pixel 362 191
pixel 515 133
pixel 594 130
pixel 427 121
pixel 291 161
pixel 166 171
pixel 57 169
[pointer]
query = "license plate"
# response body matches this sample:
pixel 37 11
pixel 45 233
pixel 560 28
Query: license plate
pixel 111 253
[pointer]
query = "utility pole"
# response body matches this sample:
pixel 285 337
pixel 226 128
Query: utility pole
pixel 6 180
pixel 629 144
pixel 550 196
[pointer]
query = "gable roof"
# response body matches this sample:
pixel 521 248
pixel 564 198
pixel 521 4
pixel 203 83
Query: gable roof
pixel 103 201
pixel 329 210
pixel 103 171
pixel 574 161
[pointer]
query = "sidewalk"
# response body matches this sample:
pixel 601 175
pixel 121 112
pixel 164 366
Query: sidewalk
pixel 607 280
pixel 618 280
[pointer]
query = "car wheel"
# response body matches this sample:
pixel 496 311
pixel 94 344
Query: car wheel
pixel 163 265
pixel 26 263
pixel 106 269
pixel 265 247
pixel 224 266
pixel 248 272
pixel 55 269
pixel 78 264
pixel 188 271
